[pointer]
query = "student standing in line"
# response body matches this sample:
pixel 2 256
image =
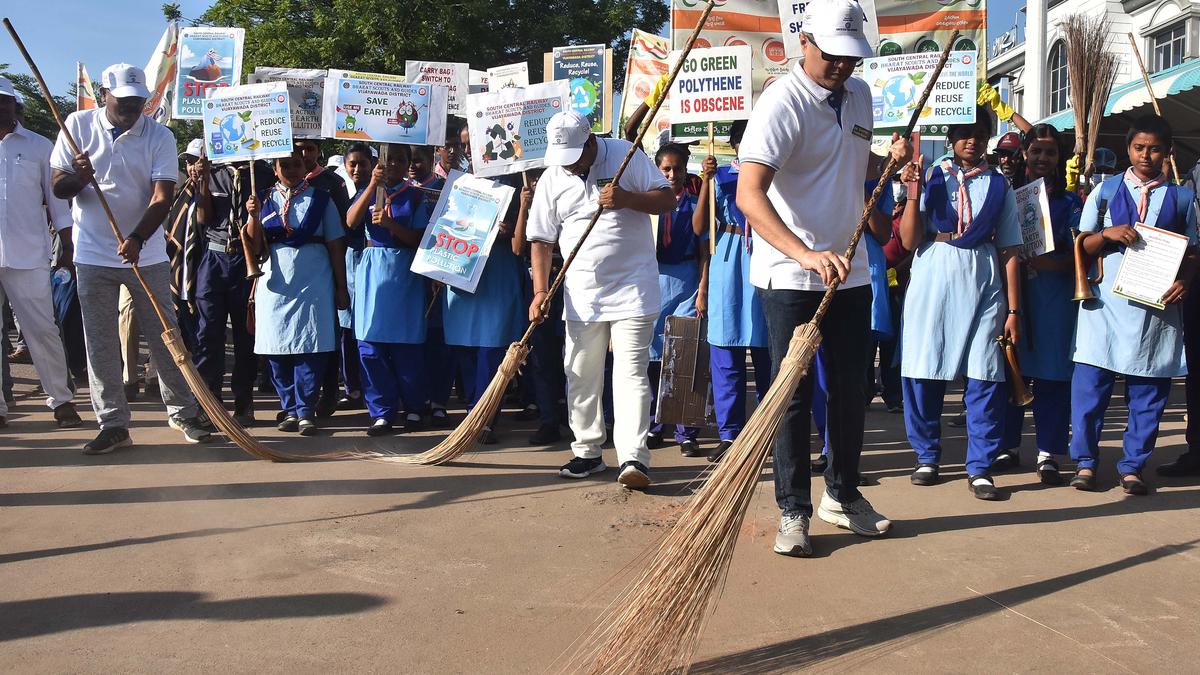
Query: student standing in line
pixel 1116 335
pixel 389 303
pixel 303 284
pixel 965 291
pixel 439 363
pixel 682 268
pixel 358 162
pixel 1049 284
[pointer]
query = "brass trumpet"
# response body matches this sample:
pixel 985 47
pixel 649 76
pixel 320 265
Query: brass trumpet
pixel 1083 285
pixel 1019 394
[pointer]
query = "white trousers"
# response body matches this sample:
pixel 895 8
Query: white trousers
pixel 29 292
pixel 587 346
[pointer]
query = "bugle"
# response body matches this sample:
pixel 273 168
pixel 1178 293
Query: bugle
pixel 1019 394
pixel 1083 285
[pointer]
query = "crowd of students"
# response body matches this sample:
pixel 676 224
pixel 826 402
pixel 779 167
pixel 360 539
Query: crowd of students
pixel 338 319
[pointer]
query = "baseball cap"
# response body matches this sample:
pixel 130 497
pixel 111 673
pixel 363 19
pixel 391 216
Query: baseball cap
pixel 123 80
pixel 567 132
pixel 195 148
pixel 1009 142
pixel 6 88
pixel 838 27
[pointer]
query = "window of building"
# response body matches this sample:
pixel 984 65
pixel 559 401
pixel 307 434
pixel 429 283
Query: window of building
pixel 1169 46
pixel 1059 86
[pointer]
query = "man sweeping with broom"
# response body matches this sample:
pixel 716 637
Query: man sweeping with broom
pixel 803 167
pixel 133 160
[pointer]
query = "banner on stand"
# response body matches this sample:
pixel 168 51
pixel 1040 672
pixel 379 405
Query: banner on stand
pixel 649 61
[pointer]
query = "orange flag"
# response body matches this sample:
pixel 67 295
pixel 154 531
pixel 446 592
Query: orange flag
pixel 85 94
pixel 160 74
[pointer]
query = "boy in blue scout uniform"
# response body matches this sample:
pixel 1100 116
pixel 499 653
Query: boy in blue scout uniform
pixel 965 235
pixel 1116 335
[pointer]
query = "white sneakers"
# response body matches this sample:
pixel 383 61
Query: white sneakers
pixel 792 538
pixel 858 516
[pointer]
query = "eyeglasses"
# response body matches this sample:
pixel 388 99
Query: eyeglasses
pixel 853 61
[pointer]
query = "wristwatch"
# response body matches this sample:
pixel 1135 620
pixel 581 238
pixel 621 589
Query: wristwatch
pixel 134 235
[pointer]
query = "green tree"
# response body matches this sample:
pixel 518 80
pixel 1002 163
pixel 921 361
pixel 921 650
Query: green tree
pixel 38 118
pixel 380 35
pixel 171 11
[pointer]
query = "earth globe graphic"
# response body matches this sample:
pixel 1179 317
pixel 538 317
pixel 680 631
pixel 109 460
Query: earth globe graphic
pixel 899 91
pixel 233 129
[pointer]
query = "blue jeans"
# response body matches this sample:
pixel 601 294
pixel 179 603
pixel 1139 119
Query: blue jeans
pixel 222 293
pixel 846 332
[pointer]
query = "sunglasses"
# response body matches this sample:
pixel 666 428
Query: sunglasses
pixel 832 58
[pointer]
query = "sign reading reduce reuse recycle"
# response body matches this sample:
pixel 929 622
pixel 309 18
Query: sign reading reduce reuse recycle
pixel 713 84
pixel 897 83
pixel 246 122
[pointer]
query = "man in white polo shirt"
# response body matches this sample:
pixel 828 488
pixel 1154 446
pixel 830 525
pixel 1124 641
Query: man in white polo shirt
pixel 611 290
pixel 804 161
pixel 25 196
pixel 133 160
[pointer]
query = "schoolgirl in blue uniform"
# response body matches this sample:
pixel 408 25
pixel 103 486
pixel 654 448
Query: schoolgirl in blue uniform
pixel 1049 315
pixel 389 299
pixel 1116 335
pixel 964 293
pixel 304 280
pixel 480 326
pixel 735 319
pixel 359 163
pixel 681 271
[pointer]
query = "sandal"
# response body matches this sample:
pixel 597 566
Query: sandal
pixel 925 475
pixel 1133 484
pixel 1047 471
pixel 1087 482
pixel 1007 459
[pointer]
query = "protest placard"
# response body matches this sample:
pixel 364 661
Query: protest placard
pixel 461 230
pixel 306 91
pixel 713 84
pixel 382 108
pixel 898 81
pixel 477 81
pixel 508 127
pixel 588 69
pixel 250 121
pixel 736 22
pixel 208 58
pixel 1033 213
pixel 455 77
pixel 506 77
pixel 649 60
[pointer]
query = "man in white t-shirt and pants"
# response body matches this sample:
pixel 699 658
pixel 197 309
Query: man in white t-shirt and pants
pixel 133 159
pixel 611 290
pixel 804 162
pixel 25 197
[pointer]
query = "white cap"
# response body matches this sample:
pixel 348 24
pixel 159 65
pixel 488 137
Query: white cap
pixel 335 161
pixel 123 80
pixel 567 131
pixel 6 88
pixel 838 27
pixel 195 148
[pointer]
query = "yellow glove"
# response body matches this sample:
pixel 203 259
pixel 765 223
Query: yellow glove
pixel 1073 173
pixel 660 90
pixel 893 282
pixel 990 97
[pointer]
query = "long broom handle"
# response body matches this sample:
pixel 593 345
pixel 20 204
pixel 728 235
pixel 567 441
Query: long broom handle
pixel 544 308
pixel 888 168
pixel 1153 101
pixel 112 221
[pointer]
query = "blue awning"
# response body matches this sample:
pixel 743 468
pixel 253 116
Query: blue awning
pixel 1170 82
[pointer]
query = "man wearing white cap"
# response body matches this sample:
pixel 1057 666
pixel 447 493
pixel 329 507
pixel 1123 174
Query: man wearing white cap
pixel 803 167
pixel 26 194
pixel 611 291
pixel 132 159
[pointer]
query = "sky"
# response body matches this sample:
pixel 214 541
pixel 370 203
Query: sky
pixel 103 32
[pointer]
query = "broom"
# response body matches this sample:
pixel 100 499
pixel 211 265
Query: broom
pixel 467 433
pixel 654 625
pixel 170 336
pixel 1085 38
pixel 1153 99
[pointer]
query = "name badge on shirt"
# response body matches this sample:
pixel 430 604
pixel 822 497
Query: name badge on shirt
pixel 861 132
pixel 601 182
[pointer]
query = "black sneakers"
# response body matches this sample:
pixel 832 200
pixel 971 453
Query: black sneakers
pixel 66 417
pixel 191 427
pixel 107 441
pixel 690 448
pixel 634 475
pixel 582 468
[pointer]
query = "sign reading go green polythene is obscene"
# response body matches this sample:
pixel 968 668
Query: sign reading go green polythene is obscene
pixel 713 84
pixel 248 122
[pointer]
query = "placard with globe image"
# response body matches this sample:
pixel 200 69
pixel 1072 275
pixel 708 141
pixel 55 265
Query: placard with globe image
pixel 898 81
pixel 247 122
pixel 373 107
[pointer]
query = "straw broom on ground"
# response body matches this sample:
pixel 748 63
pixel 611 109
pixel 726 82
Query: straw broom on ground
pixel 654 625
pixel 170 336
pixel 468 432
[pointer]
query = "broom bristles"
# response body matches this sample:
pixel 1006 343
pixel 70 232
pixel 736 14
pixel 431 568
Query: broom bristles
pixel 1085 37
pixel 219 417
pixel 654 626
pixel 467 433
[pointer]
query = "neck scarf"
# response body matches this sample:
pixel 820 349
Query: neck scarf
pixel 288 195
pixel 1145 188
pixel 965 214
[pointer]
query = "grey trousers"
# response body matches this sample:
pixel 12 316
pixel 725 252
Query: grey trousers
pixel 99 290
